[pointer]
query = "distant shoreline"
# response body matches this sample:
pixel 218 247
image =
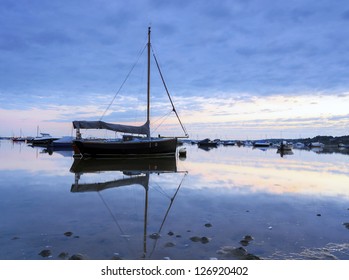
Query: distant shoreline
pixel 327 140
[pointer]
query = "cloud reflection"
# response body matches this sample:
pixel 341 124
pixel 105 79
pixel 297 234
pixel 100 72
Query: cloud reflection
pixel 250 171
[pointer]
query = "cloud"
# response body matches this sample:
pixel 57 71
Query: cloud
pixel 232 53
pixel 242 45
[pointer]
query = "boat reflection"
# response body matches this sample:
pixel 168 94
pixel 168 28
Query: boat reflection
pixel 135 171
pixel 89 165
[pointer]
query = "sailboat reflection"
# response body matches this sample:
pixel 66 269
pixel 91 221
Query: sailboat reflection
pixel 135 171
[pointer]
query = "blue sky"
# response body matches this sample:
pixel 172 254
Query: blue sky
pixel 235 69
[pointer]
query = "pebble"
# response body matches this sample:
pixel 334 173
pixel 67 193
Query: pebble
pixel 248 238
pixel 45 253
pixel 154 236
pixel 244 242
pixel 63 255
pixel 203 239
pixel 116 256
pixel 195 238
pixel 78 257
pixel 170 244
pixel 240 252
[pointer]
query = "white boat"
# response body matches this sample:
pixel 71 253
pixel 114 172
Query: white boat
pixel 299 145
pixel 284 145
pixel 44 139
pixel 343 146
pixel 316 145
pixel 248 143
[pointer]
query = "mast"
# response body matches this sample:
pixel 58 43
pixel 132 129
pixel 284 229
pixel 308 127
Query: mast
pixel 148 82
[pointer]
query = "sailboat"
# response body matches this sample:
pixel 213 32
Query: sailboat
pixel 128 145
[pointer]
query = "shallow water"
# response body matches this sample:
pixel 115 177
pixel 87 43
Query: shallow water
pixel 226 203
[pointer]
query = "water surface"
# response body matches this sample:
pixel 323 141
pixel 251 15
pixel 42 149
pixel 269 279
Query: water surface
pixel 226 203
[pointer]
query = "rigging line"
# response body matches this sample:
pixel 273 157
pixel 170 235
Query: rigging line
pixel 111 213
pixel 115 220
pixel 160 118
pixel 122 84
pixel 163 120
pixel 168 210
pixel 168 94
pixel 172 200
pixel 160 190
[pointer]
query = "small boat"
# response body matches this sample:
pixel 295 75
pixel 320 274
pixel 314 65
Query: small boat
pixel 229 143
pixel 316 145
pixel 284 145
pixel 129 145
pixel 285 148
pixel 261 144
pixel 299 145
pixel 182 152
pixel 247 143
pixel 44 139
pixel 18 139
pixel 207 143
pixel 343 146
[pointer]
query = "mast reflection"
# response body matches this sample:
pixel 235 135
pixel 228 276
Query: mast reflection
pixel 135 171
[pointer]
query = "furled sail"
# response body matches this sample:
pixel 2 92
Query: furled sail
pixel 143 129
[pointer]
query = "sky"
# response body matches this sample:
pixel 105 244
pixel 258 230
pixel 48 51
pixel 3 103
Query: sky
pixel 235 69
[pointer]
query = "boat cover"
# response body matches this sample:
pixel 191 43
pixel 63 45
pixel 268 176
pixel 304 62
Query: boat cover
pixel 143 129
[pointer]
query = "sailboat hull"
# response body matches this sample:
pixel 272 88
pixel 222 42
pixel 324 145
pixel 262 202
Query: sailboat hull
pixel 140 148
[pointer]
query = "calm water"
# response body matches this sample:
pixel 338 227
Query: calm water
pixel 227 203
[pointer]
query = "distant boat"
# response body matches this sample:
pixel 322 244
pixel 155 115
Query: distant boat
pixel 182 152
pixel 21 139
pixel 229 143
pixel 247 143
pixel 207 143
pixel 343 146
pixel 44 139
pixel 285 148
pixel 261 144
pixel 284 145
pixel 316 145
pixel 299 145
pixel 129 145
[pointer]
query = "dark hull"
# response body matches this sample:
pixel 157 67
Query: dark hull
pixel 42 142
pixel 153 147
pixel 136 164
